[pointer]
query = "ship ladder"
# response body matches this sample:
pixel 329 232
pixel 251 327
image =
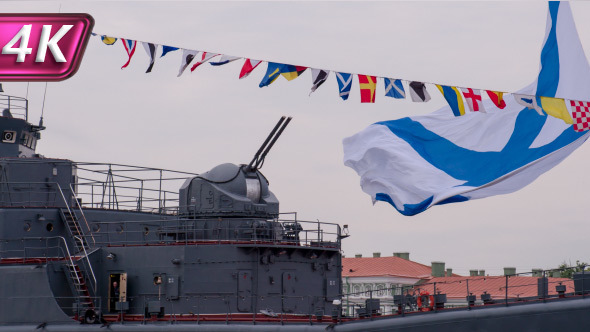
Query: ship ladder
pixel 80 287
pixel 71 220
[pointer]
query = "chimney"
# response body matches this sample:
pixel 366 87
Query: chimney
pixel 537 273
pixel 449 272
pixel 509 271
pixel 482 273
pixel 438 269
pixel 404 255
pixel 376 254
pixel 358 256
pixel 473 273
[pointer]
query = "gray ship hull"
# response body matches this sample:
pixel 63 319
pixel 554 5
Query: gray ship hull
pixel 564 315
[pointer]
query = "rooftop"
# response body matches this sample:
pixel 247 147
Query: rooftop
pixel 518 286
pixel 384 266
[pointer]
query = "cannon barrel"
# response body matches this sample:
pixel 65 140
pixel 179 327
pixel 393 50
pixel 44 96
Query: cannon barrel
pixel 276 132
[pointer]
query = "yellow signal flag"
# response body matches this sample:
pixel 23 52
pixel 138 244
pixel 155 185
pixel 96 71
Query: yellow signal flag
pixel 108 40
pixel 556 108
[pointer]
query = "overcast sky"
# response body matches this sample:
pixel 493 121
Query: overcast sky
pixel 208 117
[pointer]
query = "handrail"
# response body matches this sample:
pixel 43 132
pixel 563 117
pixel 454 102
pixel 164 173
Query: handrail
pixel 127 187
pixel 69 211
pixel 24 248
pixel 68 255
pixel 83 217
pixel 188 231
pixel 8 101
pixel 89 265
pixel 67 249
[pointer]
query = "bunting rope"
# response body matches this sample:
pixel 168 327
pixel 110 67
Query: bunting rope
pixel 575 112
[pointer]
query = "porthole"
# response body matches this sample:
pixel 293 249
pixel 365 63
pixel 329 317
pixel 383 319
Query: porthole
pixel 49 227
pixel 27 227
pixel 120 229
pixel 96 228
pixel 146 230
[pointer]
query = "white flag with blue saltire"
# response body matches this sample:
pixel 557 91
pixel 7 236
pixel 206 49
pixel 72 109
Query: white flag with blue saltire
pixel 416 162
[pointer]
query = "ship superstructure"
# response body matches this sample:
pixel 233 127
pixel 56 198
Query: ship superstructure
pixel 114 242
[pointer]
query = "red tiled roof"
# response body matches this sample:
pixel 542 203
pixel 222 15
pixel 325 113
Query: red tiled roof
pixel 456 287
pixel 384 266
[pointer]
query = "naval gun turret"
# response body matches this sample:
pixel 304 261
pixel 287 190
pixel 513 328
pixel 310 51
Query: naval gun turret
pixel 230 190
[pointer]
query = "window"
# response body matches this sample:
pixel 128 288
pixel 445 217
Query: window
pixel 356 289
pixel 28 140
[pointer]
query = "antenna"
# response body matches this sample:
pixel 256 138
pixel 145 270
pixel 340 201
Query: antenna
pixel 258 159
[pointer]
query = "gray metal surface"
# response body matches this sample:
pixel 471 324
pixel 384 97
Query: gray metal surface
pixel 558 316
pixel 228 190
pixel 573 315
pixel 17 284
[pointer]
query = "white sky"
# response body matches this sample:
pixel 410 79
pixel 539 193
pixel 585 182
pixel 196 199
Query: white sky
pixel 208 117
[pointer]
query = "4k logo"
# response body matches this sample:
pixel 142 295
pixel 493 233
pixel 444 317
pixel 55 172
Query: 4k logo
pixel 42 47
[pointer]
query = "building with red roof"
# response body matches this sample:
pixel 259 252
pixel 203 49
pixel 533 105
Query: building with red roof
pixel 457 288
pixel 396 267
pixel 381 277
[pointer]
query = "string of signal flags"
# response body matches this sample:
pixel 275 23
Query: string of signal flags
pixel 577 114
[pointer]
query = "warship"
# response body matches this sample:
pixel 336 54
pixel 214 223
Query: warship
pixel 89 246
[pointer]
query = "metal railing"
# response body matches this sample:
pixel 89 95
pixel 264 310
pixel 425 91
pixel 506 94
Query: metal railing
pixel 43 250
pixel 77 204
pixel 504 290
pixel 218 307
pixel 125 187
pixel 89 267
pixel 217 231
pixel 18 104
pixel 104 186
pixel 77 308
pixel 81 238
pixel 172 229
pixel 84 236
pixel 32 248
pixel 29 194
